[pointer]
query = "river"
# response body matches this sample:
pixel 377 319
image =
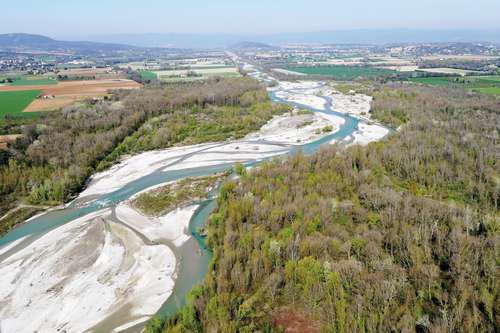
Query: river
pixel 193 256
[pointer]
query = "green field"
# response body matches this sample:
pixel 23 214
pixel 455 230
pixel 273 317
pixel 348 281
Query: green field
pixel 169 79
pixel 343 72
pixel 148 75
pixel 209 67
pixel 203 73
pixel 489 91
pixel 35 82
pixel 484 84
pixel 433 81
pixel 174 79
pixel 488 79
pixel 14 102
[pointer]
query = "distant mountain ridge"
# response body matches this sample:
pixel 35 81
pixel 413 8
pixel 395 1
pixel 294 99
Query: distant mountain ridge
pixel 29 42
pixel 360 36
pixel 21 42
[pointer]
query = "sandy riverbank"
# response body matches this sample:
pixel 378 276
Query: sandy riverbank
pixel 298 129
pixel 368 133
pixel 143 164
pixel 135 167
pixel 173 227
pixel 357 105
pixel 316 95
pixel 75 276
pixel 308 93
pixel 274 139
pixel 115 263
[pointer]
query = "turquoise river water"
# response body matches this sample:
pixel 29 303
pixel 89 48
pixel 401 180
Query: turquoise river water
pixel 194 256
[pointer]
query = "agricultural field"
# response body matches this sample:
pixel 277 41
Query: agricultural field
pixel 141 66
pixel 341 61
pixel 76 64
pixel 489 91
pixel 14 102
pixel 196 73
pixel 484 84
pixel 434 80
pixel 206 63
pixel 446 70
pixel 67 92
pixel 148 75
pixel 88 73
pixel 343 72
pixel 33 82
pixel 455 57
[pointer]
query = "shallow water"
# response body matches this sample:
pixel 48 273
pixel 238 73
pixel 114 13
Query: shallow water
pixel 193 255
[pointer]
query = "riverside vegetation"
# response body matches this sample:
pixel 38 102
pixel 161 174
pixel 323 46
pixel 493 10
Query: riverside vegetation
pixel 60 150
pixel 166 198
pixel 398 236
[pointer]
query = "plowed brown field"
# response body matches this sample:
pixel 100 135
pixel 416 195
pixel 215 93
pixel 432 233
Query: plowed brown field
pixel 69 92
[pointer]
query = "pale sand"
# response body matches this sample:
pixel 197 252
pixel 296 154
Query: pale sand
pixel 313 101
pixel 131 324
pixel 312 94
pixel 77 275
pixel 369 133
pixel 141 165
pixel 229 154
pixel 309 93
pixel 173 227
pixel 290 130
pixel 279 132
pixel 357 105
pixel 136 167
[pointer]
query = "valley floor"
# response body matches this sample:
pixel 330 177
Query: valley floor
pixel 118 263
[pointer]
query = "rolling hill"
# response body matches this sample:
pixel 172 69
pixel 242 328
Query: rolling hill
pixel 19 42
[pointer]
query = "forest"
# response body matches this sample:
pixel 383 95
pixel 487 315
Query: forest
pixel 59 151
pixel 399 236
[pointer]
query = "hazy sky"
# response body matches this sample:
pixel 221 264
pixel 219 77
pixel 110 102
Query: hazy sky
pixel 85 17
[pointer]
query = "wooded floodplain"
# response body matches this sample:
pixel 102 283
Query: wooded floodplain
pixel 59 151
pixel 398 236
